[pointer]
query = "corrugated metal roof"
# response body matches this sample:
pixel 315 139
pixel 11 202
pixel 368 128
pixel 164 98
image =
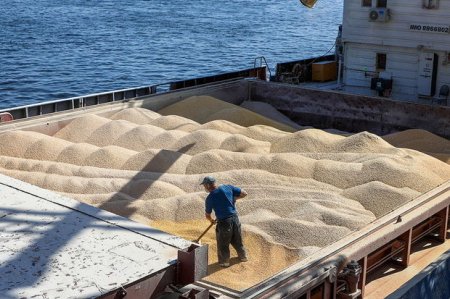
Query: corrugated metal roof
pixel 56 247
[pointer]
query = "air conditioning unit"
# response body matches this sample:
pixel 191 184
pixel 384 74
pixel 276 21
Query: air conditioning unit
pixel 430 4
pixel 381 14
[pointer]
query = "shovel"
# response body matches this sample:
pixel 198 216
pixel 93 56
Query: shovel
pixel 206 230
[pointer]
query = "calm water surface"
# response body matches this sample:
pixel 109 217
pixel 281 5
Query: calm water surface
pixel 52 49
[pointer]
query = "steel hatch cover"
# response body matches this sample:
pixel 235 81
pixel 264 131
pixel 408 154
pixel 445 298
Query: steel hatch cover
pixel 56 247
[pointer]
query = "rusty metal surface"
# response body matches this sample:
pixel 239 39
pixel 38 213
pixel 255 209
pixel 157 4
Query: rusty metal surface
pixel 55 247
pixel 149 287
pixel 348 112
pixel 192 264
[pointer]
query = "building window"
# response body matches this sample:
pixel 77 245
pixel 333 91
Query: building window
pixel 381 61
pixel 366 3
pixel 381 3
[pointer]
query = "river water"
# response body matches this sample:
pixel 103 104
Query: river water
pixel 57 49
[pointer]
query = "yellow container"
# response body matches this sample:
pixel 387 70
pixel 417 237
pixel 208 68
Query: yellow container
pixel 324 71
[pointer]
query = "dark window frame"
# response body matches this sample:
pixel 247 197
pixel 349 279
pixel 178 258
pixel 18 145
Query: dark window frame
pixel 381 3
pixel 366 3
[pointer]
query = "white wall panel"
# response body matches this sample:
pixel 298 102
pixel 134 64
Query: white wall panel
pixel 364 39
pixel 396 32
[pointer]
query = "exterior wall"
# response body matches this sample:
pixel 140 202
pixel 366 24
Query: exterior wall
pixel 364 39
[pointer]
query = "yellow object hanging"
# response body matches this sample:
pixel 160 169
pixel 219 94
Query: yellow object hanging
pixel 308 3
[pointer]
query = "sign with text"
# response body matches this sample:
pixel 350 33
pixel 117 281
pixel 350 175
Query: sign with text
pixel 430 28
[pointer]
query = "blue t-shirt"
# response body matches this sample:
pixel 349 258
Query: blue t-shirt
pixel 222 201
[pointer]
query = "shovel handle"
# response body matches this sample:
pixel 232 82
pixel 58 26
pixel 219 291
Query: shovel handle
pixel 206 230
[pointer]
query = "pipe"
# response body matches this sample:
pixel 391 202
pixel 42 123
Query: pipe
pixel 339 71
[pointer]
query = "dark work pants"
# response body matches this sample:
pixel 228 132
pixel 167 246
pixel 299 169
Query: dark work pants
pixel 228 231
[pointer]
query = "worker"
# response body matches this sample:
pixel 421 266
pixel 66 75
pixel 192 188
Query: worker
pixel 222 199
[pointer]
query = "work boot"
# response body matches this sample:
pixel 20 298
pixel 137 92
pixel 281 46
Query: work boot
pixel 224 265
pixel 243 259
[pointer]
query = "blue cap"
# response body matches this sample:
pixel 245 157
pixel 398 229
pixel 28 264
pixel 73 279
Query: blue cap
pixel 208 180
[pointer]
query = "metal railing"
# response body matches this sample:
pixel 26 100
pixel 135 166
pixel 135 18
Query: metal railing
pixel 262 63
pixel 53 106
pixel 78 102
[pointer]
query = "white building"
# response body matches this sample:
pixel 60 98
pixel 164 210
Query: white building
pixel 407 41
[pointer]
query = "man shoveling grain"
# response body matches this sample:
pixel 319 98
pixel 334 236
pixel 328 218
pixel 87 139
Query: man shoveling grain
pixel 222 199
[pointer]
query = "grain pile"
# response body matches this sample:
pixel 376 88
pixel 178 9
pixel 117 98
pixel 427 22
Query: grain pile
pixel 269 111
pixel 422 141
pixel 306 189
pixel 204 109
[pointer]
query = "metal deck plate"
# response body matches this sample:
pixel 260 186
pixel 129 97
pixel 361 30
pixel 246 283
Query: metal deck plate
pixel 56 247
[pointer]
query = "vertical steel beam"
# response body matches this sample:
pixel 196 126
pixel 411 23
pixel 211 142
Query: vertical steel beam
pixel 330 289
pixel 308 294
pixel 444 224
pixel 318 292
pixel 362 281
pixel 327 290
pixel 406 253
